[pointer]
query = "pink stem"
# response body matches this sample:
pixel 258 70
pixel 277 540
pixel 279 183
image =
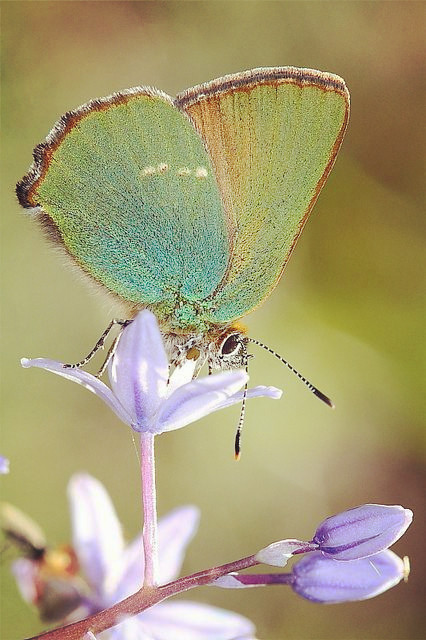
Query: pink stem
pixel 150 538
pixel 143 599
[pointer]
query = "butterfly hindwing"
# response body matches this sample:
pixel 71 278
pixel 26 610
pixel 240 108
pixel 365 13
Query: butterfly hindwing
pixel 126 186
pixel 272 135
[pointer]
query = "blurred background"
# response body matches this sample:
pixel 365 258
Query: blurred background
pixel 347 313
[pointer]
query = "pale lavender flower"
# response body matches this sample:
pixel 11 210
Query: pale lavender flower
pixel 143 396
pixel 352 534
pixel 114 571
pixel 4 465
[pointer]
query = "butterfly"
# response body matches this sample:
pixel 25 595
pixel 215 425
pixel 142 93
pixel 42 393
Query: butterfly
pixel 191 206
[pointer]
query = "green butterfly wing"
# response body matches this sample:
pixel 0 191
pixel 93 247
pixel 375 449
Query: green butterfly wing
pixel 272 136
pixel 125 185
pixel 196 220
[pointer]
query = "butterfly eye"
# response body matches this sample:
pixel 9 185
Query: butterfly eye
pixel 231 345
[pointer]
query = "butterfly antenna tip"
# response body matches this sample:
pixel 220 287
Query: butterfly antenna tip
pixel 319 394
pixel 237 450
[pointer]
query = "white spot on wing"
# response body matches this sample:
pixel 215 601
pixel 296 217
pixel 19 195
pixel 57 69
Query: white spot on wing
pixel 184 171
pixel 148 171
pixel 201 173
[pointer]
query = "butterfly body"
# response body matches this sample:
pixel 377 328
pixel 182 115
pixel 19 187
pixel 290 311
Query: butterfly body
pixel 190 206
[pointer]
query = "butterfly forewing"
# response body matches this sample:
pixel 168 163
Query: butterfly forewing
pixel 272 135
pixel 129 191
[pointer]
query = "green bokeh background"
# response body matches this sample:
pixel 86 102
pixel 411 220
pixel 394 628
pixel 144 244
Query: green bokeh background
pixel 347 313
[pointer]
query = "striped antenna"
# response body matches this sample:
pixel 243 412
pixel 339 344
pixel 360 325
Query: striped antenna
pixel 237 448
pixel 319 394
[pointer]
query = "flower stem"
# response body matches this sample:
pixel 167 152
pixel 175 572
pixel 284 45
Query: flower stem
pixel 142 600
pixel 149 499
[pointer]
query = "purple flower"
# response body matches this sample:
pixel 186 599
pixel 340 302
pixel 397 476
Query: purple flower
pixel 352 534
pixel 321 579
pixel 114 571
pixel 362 531
pixel 347 559
pixel 143 396
pixel 4 465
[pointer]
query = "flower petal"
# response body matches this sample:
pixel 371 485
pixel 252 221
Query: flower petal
pixel 130 629
pixel 175 532
pixel 193 621
pixel 4 465
pixel 97 535
pixel 26 573
pixel 130 572
pixel 139 369
pixel 79 376
pixel 322 579
pixel 363 531
pixel 181 375
pixel 198 398
pixel 260 391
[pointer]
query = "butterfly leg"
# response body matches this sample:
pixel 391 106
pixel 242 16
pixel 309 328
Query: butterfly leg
pixel 110 354
pixel 99 345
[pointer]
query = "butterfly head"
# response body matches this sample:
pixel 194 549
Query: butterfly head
pixel 228 350
pixel 221 350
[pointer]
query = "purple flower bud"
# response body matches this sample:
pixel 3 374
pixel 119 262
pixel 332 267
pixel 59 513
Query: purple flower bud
pixel 362 532
pixel 320 579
